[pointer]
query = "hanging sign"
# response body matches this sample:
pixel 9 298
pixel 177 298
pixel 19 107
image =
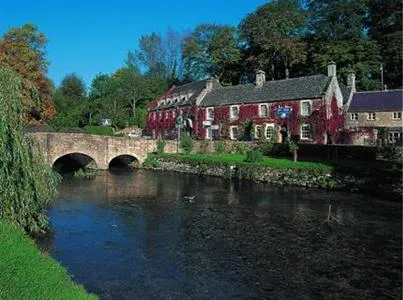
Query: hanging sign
pixel 283 112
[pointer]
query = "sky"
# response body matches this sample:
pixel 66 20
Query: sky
pixel 89 37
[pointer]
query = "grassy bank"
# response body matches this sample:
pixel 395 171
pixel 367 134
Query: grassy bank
pixel 26 273
pixel 239 159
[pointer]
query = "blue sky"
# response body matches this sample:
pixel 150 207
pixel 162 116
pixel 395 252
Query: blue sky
pixel 89 37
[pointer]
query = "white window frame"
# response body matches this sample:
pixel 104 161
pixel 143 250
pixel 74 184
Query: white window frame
pixel 265 131
pixel 231 134
pixel 310 107
pixel 369 116
pixel 231 114
pixel 260 110
pixel 207 113
pixel 301 131
pixel 209 133
pixel 354 116
pixel 397 115
pixel 261 131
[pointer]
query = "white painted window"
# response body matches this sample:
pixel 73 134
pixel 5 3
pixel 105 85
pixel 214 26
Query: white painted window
pixel 263 110
pixel 233 132
pixel 397 115
pixel 269 132
pixel 371 116
pixel 208 133
pixel 234 112
pixel 306 107
pixel 210 113
pixel 394 136
pixel 258 132
pixel 306 133
pixel 354 116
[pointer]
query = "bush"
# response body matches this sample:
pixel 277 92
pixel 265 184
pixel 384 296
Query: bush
pixel 388 152
pixel 219 147
pixel 240 148
pixel 186 143
pixel 254 156
pixel 266 147
pixel 161 146
pixel 151 162
pixel 99 130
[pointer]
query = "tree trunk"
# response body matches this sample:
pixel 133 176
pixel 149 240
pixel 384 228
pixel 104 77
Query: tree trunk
pixel 295 155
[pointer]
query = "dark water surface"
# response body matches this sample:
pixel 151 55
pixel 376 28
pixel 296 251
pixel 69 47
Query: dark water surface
pixel 134 236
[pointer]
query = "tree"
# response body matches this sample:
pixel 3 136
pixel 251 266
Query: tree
pixel 384 21
pixel 338 33
pixel 23 50
pixel 27 184
pixel 211 50
pixel 273 37
pixel 73 87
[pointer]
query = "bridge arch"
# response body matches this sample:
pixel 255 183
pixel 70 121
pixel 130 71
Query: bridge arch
pixel 123 161
pixel 71 162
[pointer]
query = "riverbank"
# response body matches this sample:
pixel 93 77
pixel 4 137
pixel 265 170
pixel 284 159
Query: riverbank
pixel 26 273
pixel 283 172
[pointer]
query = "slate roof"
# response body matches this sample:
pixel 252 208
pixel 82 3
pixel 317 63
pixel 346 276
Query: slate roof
pixel 377 101
pixel 306 87
pixel 345 91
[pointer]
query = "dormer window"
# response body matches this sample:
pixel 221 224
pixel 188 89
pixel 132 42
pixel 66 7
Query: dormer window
pixel 210 113
pixel 397 115
pixel 371 116
pixel 234 112
pixel 306 108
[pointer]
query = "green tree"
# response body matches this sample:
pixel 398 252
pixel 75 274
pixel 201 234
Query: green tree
pixel 338 33
pixel 23 50
pixel 27 184
pixel 384 21
pixel 273 37
pixel 211 50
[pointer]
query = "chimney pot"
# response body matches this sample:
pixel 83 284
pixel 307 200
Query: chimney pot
pixel 209 84
pixel 351 80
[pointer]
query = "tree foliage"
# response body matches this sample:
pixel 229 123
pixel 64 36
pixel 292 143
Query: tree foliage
pixel 23 50
pixel 27 184
pixel 211 50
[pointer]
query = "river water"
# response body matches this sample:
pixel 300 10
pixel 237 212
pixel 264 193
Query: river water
pixel 138 236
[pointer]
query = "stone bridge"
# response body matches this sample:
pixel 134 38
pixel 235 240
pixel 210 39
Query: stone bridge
pixel 102 149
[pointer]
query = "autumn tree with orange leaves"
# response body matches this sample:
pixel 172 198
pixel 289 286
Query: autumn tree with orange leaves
pixel 23 50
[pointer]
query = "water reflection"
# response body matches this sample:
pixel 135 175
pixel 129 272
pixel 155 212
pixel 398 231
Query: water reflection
pixel 135 236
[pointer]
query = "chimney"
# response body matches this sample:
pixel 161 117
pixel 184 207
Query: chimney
pixel 351 80
pixel 209 85
pixel 260 78
pixel 331 69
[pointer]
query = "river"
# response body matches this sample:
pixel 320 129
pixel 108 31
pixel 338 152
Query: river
pixel 138 235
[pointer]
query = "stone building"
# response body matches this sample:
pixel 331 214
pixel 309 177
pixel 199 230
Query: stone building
pixel 308 108
pixel 375 116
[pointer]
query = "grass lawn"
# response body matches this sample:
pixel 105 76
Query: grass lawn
pixel 26 273
pixel 236 159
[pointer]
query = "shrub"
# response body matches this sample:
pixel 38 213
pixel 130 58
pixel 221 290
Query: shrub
pixel 388 152
pixel 161 146
pixel 151 162
pixel 240 148
pixel 186 143
pixel 266 147
pixel 99 130
pixel 254 156
pixel 219 147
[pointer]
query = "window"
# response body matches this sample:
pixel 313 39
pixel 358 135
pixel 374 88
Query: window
pixel 354 116
pixel 306 108
pixel 154 116
pixel 234 112
pixel 210 113
pixel 233 132
pixel 306 132
pixel 208 133
pixel 258 132
pixel 397 115
pixel 173 114
pixel 269 131
pixel 394 136
pixel 371 116
pixel 263 110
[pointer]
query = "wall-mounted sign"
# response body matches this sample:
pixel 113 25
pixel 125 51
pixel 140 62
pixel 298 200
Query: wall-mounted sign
pixel 206 123
pixel 283 112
